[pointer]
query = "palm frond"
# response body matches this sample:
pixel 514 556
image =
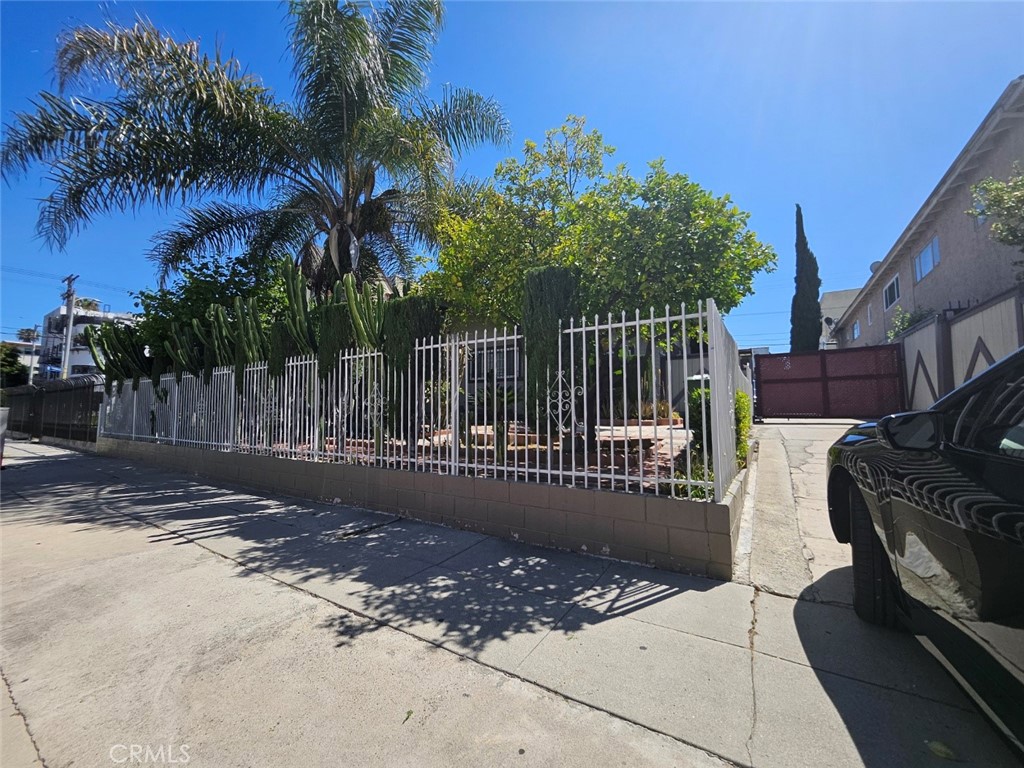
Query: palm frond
pixel 339 66
pixel 463 118
pixel 408 31
pixel 215 229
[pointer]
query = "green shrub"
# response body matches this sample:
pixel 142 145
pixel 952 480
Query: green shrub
pixel 702 438
pixel 744 418
pixel 406 320
pixel 550 294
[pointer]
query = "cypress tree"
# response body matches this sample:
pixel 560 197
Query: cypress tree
pixel 805 315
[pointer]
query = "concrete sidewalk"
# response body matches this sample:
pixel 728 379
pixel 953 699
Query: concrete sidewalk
pixel 141 607
pixel 794 552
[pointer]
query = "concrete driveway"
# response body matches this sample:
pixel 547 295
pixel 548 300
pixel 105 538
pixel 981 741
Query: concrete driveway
pixel 792 549
pixel 146 609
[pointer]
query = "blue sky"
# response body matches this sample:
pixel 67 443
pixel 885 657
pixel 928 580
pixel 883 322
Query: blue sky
pixel 852 110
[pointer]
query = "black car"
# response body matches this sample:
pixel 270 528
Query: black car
pixel 932 503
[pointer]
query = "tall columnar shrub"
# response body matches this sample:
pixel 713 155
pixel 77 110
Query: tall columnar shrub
pixel 550 294
pixel 334 332
pixel 805 313
pixel 404 321
pixel 282 346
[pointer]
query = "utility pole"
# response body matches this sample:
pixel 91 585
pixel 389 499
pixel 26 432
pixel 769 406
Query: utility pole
pixel 33 358
pixel 69 297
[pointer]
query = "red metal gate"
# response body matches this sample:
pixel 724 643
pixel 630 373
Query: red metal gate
pixel 859 383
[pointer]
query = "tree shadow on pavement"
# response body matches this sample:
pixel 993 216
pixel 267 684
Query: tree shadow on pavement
pixel 484 597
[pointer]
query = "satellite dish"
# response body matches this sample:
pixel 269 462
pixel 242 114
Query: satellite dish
pixel 874 266
pixel 829 322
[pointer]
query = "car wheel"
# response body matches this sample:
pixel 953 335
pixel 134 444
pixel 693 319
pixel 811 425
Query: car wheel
pixel 874 585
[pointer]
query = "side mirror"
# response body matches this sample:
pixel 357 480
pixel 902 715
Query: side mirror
pixel 917 431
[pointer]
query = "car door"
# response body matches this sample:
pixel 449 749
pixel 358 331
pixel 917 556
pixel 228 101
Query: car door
pixel 958 525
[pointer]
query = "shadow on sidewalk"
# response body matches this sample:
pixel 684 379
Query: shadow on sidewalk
pixel 472 593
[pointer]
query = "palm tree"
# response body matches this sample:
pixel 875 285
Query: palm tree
pixel 28 335
pixel 345 178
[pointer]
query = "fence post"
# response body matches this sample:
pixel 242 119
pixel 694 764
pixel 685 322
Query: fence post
pixel 453 405
pixel 135 408
pixel 172 385
pixel 714 353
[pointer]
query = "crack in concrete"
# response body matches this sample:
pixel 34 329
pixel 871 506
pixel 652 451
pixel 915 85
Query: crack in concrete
pixel 751 637
pixel 21 716
pixel 809 575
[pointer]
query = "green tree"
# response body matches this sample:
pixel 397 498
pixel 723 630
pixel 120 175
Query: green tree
pixel 637 243
pixel 902 320
pixel 351 167
pixel 202 281
pixel 805 313
pixel 1003 203
pixel 13 372
pixel 28 335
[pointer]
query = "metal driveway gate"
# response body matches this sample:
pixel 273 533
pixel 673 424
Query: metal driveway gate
pixel 859 383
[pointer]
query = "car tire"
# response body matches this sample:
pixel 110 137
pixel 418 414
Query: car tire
pixel 874 585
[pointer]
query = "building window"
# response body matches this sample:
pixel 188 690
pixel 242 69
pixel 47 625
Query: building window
pixel 927 259
pixel 869 314
pixel 856 329
pixel 892 292
pixel 979 217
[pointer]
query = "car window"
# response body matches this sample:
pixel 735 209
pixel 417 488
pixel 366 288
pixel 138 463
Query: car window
pixel 999 427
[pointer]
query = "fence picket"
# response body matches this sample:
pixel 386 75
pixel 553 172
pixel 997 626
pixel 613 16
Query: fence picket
pixel 462 405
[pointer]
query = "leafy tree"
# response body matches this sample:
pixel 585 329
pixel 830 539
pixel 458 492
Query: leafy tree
pixel 202 281
pixel 903 320
pixel 352 167
pixel 13 372
pixel 1003 202
pixel 637 243
pixel 28 335
pixel 805 313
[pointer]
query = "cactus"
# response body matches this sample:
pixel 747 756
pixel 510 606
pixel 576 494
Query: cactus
pixel 367 310
pixel 184 350
pixel 118 353
pixel 248 338
pixel 297 317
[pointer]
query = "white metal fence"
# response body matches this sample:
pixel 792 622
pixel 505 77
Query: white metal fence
pixel 600 415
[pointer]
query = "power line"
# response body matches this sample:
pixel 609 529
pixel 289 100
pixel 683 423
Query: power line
pixel 49 276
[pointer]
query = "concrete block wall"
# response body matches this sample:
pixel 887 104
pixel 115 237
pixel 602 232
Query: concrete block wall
pixel 689 536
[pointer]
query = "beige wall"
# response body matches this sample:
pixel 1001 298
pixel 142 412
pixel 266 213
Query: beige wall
pixel 921 361
pixel 675 534
pixel 973 267
pixel 985 336
pixel 948 350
